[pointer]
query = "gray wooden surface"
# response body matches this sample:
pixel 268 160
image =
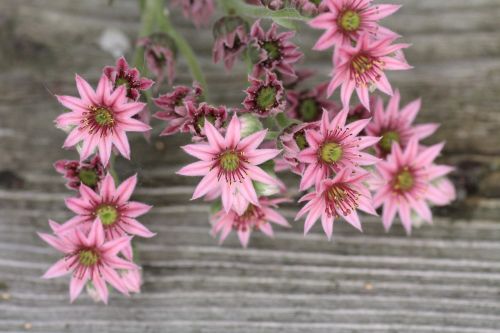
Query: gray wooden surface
pixel 445 278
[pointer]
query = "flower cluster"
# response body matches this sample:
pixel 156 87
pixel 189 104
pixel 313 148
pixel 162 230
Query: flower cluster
pixel 364 50
pixel 96 241
pixel 350 159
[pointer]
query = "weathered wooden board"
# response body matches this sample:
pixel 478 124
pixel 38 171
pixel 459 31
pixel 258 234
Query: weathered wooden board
pixel 445 278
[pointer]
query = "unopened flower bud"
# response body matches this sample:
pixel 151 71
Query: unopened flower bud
pixel 249 124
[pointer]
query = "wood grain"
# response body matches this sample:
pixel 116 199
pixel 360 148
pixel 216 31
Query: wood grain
pixel 444 278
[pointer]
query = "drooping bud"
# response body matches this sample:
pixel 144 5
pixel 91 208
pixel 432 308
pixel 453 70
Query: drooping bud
pixel 308 105
pixel 198 11
pixel 273 4
pixel 231 39
pixel 89 173
pixel 160 52
pixel 310 7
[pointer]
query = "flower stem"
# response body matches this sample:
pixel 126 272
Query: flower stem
pixel 148 12
pixel 156 16
pixel 286 17
pixel 163 19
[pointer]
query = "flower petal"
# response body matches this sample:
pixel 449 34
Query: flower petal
pixel 200 168
pixel 125 190
pixel 60 268
pixel 76 285
pixel 85 90
pixel 260 156
pixel 233 132
pixel 203 152
pixel 133 227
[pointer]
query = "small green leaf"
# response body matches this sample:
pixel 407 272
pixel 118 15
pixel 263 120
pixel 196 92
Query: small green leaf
pixel 272 135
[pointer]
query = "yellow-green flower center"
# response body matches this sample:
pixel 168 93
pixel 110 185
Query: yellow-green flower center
pixel 272 49
pixel 266 97
pixel 388 138
pixel 88 177
pixel 88 257
pixel 350 20
pixel 404 181
pixel 300 140
pixel 229 161
pixel 103 116
pixel 316 2
pixel 331 152
pixel 308 109
pixel 107 214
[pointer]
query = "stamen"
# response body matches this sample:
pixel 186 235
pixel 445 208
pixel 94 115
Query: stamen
pixel 341 199
pixel 365 69
pixel 98 118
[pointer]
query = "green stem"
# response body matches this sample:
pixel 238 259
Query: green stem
pixel 285 17
pixel 148 12
pixel 155 16
pixel 185 49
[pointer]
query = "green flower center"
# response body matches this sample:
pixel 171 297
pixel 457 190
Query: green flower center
pixel 103 116
pixel 308 109
pixel 387 140
pixel 331 152
pixel 229 161
pixel 200 122
pixel 120 81
pixel 316 2
pixel 272 49
pixel 350 20
pixel 88 257
pixel 362 64
pixel 88 177
pixel 404 181
pixel 266 97
pixel 107 214
pixel 300 140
